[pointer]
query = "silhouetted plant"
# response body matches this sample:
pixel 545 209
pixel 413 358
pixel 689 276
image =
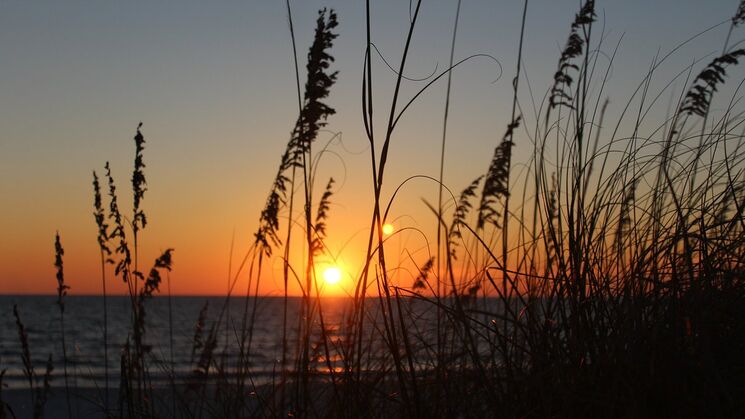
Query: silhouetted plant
pixel 138 394
pixel 139 221
pixel 5 410
pixel 118 233
pixel 103 238
pixel 698 97
pixel 739 16
pixel 552 215
pixel 266 236
pixel 625 211
pixel 198 340
pixel 318 84
pixel 149 288
pixel 561 94
pixel 321 216
pixel 152 284
pixel 201 369
pixel 100 217
pixel 462 208
pixel 3 405
pixel 28 366
pixel 61 292
pixel 38 393
pixel 58 264
pixel 421 280
pixel 42 392
pixel 312 117
pixel 200 373
pixel 630 292
pixel 496 184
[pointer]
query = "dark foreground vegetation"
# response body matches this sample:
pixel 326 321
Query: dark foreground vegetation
pixel 606 280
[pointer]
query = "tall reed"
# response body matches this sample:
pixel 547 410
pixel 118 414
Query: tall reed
pixel 105 253
pixel 38 393
pixel 61 293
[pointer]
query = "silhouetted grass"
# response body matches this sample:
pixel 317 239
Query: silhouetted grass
pixel 606 279
pixel 61 293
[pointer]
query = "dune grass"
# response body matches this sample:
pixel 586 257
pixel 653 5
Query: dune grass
pixel 607 279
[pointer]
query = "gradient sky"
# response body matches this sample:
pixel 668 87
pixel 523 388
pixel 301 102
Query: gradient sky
pixel 213 83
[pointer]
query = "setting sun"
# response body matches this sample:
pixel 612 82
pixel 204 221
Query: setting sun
pixel 388 229
pixel 332 275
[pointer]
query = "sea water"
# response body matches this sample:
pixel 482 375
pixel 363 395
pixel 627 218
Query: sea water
pixel 170 329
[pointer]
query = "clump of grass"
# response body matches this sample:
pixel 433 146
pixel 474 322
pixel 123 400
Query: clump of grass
pixel 105 252
pixel 561 92
pixel 312 118
pixel 118 233
pixel 464 206
pixel 621 291
pixel 421 280
pixel 28 367
pixel 139 221
pixel 137 392
pixel 198 381
pixel 698 98
pixel 496 183
pixel 322 214
pixel 313 113
pixel 61 293
pixel 44 390
pixel 38 392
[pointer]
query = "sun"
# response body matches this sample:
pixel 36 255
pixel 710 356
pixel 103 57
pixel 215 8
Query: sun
pixel 388 229
pixel 332 275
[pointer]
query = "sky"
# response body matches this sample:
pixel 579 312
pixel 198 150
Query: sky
pixel 213 84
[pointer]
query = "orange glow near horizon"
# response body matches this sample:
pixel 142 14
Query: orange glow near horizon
pixel 216 123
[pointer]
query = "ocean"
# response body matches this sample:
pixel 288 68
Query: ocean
pixel 171 346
